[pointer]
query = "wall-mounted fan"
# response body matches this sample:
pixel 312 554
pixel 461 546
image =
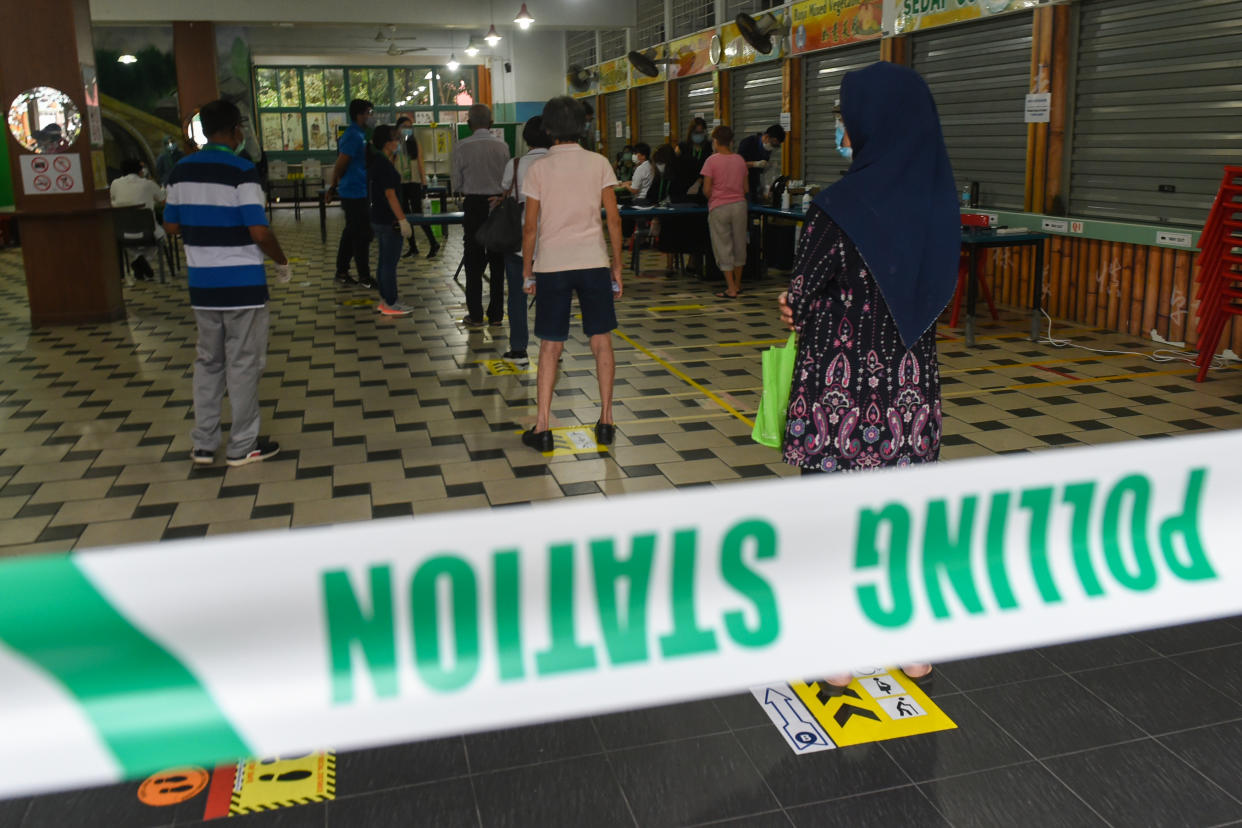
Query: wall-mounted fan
pixel 647 65
pixel 760 33
pixel 581 78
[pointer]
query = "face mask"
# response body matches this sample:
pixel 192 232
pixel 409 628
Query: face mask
pixel 660 168
pixel 369 123
pixel 698 137
pixel 406 133
pixel 846 152
pixel 627 157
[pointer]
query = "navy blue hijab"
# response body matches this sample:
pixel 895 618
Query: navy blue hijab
pixel 897 202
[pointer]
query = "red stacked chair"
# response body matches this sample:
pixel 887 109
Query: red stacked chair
pixel 1220 268
pixel 963 273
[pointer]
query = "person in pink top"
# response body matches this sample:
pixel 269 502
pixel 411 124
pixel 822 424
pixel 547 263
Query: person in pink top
pixel 725 185
pixel 563 253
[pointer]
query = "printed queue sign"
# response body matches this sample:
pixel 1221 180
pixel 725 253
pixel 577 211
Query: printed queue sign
pixel 52 174
pixel 364 634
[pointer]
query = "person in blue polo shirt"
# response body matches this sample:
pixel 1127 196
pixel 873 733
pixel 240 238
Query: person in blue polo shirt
pixel 349 181
pixel 215 201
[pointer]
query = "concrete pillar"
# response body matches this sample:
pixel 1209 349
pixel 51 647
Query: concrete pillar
pixel 68 242
pixel 194 50
pixel 538 70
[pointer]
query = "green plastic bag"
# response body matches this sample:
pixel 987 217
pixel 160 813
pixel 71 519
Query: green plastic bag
pixel 778 368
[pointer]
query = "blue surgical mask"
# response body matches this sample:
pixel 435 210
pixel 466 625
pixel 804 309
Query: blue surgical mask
pixel 659 167
pixel 846 152
pixel 406 133
pixel 698 137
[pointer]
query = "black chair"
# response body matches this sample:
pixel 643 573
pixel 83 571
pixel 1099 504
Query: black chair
pixel 135 228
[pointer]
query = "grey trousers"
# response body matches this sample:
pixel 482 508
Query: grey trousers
pixel 232 352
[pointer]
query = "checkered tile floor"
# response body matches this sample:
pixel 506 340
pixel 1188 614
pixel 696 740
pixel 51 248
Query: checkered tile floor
pixel 381 417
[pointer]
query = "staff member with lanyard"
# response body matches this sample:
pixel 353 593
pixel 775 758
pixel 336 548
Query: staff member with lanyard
pixel 478 166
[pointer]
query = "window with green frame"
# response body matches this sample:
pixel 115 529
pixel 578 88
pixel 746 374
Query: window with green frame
pixel 304 108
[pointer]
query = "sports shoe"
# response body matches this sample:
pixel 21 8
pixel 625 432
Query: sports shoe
pixel 471 322
pixel 367 283
pixel 203 457
pixel 262 450
pixel 343 279
pixel 395 309
pixel 540 441
pixel 516 357
pixel 431 254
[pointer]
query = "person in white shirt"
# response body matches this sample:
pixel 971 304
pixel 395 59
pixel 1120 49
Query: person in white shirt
pixel 537 138
pixel 644 173
pixel 135 189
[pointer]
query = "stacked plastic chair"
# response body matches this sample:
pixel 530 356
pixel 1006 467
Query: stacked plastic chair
pixel 1220 268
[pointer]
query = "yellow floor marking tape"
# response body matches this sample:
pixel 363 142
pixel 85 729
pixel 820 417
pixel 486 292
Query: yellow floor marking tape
pixel 1065 382
pixel 568 441
pixel 505 368
pixel 355 303
pixel 1036 364
pixel 686 379
pixel 671 308
pixel 883 704
pixel 282 782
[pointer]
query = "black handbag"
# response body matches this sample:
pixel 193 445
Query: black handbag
pixel 501 232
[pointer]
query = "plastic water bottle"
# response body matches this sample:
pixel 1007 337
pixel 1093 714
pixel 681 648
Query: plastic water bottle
pixel 966 196
pixel 806 200
pixel 784 199
pixel 616 288
pixel 426 205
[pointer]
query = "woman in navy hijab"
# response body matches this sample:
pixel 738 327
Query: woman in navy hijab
pixel 876 265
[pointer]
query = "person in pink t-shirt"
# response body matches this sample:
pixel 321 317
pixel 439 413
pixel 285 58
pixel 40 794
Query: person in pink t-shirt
pixel 563 253
pixel 725 185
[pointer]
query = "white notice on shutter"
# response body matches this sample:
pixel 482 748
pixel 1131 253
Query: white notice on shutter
pixel 1039 108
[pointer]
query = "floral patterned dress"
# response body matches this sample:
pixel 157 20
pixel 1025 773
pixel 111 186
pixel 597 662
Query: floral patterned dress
pixel 859 399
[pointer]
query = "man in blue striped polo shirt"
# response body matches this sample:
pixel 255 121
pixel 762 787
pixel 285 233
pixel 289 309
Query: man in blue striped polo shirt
pixel 215 201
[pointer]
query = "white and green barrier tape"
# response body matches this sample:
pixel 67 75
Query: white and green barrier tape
pixel 117 663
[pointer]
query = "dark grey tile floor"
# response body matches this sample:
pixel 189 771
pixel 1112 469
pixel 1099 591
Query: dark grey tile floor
pixel 1104 732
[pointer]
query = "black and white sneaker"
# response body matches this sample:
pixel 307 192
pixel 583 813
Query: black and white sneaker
pixel 261 451
pixel 203 457
pixel 516 357
pixel 343 279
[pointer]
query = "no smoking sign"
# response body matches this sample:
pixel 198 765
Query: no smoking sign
pixel 52 175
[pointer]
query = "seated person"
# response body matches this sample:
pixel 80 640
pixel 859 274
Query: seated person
pixel 136 189
pixel 644 173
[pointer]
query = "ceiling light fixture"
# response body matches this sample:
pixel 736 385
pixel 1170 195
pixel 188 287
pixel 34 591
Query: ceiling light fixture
pixel 452 64
pixel 523 19
pixel 492 37
pixel 472 48
pixel 127 59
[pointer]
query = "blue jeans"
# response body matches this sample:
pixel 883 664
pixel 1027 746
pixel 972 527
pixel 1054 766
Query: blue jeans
pixel 519 336
pixel 389 252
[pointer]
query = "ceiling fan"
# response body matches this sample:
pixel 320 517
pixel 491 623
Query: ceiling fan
pixel 385 35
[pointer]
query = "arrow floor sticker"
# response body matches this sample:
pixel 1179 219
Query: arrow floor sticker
pixel 879 704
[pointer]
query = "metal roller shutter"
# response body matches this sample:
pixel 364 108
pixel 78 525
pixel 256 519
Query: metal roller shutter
pixel 756 98
pixel 651 115
pixel 615 104
pixel 695 96
pixel 1158 105
pixel 979 74
pixel 823 72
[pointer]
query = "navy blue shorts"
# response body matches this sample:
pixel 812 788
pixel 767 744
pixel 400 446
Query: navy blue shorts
pixel 554 295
